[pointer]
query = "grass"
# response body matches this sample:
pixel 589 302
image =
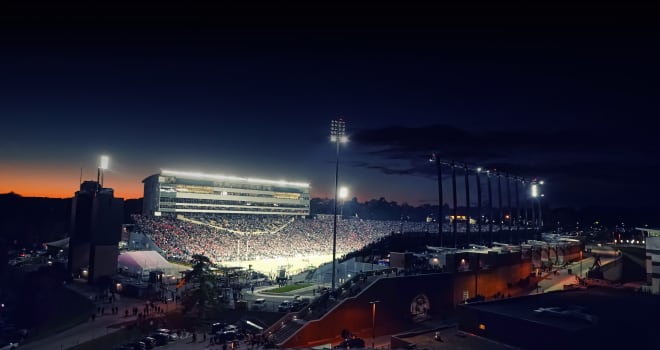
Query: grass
pixel 288 288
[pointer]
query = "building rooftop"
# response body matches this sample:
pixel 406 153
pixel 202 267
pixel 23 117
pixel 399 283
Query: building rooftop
pixel 579 309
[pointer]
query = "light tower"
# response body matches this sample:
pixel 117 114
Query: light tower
pixel 103 165
pixel 338 136
pixel 343 194
pixel 434 159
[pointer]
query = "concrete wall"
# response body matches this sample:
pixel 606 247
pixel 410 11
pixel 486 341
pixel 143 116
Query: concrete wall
pixel 489 282
pixel 398 301
pixel 397 296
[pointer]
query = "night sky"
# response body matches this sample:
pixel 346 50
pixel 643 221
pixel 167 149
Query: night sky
pixel 565 94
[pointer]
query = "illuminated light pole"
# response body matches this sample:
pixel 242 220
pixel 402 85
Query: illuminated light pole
pixel 534 191
pixel 343 194
pixel 373 322
pixel 479 239
pixel 103 165
pixel 537 195
pixel 540 208
pixel 338 136
pixel 438 166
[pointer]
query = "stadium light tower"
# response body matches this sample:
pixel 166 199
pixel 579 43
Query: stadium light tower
pixel 103 165
pixel 338 136
pixel 343 194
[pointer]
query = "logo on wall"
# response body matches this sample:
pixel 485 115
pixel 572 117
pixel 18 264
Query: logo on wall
pixel 419 308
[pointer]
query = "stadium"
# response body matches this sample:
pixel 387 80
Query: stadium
pixel 245 222
pixel 259 224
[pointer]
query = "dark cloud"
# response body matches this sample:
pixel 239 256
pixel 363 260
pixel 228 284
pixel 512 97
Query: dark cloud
pixel 582 165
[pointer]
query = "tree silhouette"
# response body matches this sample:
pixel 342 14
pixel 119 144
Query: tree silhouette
pixel 203 291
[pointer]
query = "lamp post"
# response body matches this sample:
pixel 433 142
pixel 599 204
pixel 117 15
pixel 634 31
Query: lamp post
pixel 338 136
pixel 373 322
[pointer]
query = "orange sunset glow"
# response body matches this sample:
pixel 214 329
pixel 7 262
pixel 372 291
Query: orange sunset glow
pixel 58 183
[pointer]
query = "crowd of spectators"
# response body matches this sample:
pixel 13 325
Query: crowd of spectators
pixel 253 237
pixel 236 238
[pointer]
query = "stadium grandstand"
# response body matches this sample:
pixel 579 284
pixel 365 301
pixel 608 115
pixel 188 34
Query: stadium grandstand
pixel 189 193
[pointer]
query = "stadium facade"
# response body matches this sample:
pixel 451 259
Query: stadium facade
pixel 189 193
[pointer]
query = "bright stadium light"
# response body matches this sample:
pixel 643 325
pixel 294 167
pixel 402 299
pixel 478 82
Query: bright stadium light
pixel 338 131
pixel 479 169
pixel 105 162
pixel 535 190
pixel 103 165
pixel 196 175
pixel 343 192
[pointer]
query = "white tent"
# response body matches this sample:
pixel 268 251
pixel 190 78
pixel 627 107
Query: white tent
pixel 142 262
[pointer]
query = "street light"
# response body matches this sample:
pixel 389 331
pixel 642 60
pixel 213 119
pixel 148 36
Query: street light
pixel 373 322
pixel 338 136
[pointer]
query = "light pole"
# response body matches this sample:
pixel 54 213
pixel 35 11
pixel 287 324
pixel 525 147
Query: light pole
pixel 105 162
pixel 373 322
pixel 343 193
pixel 537 195
pixel 580 263
pixel 434 159
pixel 338 136
pixel 480 240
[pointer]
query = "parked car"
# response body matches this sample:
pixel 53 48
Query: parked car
pixel 284 306
pixel 227 336
pixel 171 335
pixel 161 338
pixel 149 342
pixel 259 304
pixel 218 327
